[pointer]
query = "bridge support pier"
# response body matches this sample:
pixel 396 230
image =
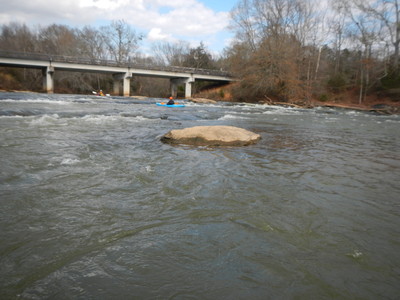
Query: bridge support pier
pixel 188 88
pixel 126 83
pixel 175 82
pixel 48 79
pixel 174 87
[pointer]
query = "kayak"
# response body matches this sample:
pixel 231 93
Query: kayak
pixel 101 95
pixel 172 105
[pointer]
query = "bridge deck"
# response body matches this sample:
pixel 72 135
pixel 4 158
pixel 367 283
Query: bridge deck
pixel 122 71
pixel 108 63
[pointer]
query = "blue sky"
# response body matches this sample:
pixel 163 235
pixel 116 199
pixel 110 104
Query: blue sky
pixel 219 5
pixel 193 21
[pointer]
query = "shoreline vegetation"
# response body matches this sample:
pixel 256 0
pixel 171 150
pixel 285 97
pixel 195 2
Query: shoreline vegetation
pixel 348 100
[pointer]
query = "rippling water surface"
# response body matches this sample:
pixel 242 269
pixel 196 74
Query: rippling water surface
pixel 94 206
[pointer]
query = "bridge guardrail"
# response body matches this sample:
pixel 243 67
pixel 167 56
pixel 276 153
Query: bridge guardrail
pixel 111 63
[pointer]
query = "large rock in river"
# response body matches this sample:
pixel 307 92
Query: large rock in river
pixel 211 136
pixel 203 100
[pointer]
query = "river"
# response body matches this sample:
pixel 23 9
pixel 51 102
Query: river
pixel 94 206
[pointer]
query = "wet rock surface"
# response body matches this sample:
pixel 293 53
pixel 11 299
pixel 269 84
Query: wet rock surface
pixel 211 136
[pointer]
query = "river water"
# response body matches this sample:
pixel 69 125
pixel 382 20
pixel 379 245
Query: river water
pixel 94 206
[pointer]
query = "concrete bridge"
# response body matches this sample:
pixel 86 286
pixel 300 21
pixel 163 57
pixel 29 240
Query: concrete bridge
pixel 121 72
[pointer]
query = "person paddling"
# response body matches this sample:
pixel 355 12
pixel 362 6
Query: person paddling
pixel 171 102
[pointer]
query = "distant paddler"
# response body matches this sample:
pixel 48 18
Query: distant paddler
pixel 171 101
pixel 100 93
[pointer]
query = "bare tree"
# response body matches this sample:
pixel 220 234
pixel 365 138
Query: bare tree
pixel 91 43
pixel 172 54
pixel 199 57
pixel 243 23
pixel 364 31
pixel 121 40
pixel 277 32
pixel 57 39
pixel 387 12
pixel 337 26
pixel 17 37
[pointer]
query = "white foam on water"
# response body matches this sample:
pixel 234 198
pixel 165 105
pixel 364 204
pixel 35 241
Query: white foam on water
pixel 248 112
pixel 38 101
pixel 256 105
pixel 13 117
pixel 355 254
pixel 101 119
pixel 97 118
pixel 392 121
pixel 283 111
pixel 331 119
pixel 70 161
pixel 231 117
pixel 353 113
pixel 140 119
pixel 45 120
pixel 189 103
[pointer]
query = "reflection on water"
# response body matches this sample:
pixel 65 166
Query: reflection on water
pixel 95 206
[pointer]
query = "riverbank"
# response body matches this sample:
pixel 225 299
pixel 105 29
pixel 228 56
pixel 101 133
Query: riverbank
pixel 382 107
pixel 373 103
pixel 346 100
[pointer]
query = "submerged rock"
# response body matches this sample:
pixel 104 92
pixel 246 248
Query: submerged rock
pixel 203 100
pixel 385 109
pixel 211 136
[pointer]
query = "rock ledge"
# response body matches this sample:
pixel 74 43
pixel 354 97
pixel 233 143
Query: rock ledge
pixel 211 136
pixel 203 100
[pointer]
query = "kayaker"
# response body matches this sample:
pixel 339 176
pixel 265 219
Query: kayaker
pixel 171 102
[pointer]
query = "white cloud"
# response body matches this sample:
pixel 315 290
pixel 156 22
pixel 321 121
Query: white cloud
pixel 185 18
pixel 103 4
pixel 159 19
pixel 156 34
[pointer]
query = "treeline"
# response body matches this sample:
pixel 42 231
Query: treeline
pixel 117 41
pixel 283 50
pixel 297 50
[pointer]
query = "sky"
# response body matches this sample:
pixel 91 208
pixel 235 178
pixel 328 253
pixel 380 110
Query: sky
pixel 193 21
